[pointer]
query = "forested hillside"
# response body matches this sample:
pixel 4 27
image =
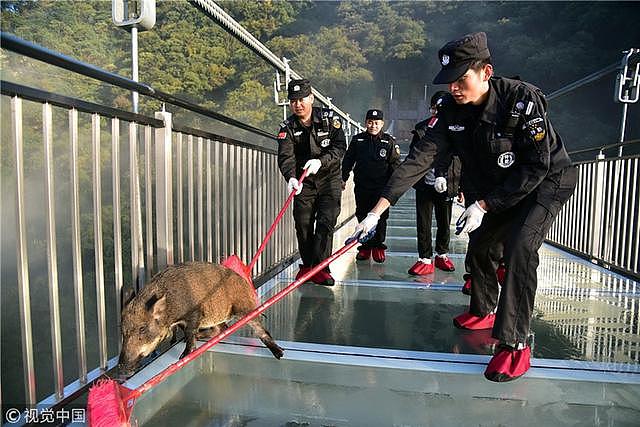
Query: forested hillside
pixel 351 50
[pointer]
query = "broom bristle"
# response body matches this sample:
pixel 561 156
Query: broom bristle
pixel 104 405
pixel 234 263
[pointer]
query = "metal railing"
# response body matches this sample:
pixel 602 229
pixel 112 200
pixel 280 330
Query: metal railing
pixel 202 196
pixel 601 221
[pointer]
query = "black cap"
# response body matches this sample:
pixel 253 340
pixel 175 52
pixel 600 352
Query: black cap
pixel 456 56
pixel 298 88
pixel 374 115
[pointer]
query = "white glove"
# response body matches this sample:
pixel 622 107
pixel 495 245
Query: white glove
pixel 471 218
pixel 365 230
pixel 441 184
pixel 294 185
pixel 312 166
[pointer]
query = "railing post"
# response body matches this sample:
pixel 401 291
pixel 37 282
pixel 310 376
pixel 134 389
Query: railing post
pixel 597 206
pixel 164 191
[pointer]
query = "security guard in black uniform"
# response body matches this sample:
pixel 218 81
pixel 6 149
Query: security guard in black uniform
pixel 516 177
pixel 312 139
pixel 434 194
pixel 373 156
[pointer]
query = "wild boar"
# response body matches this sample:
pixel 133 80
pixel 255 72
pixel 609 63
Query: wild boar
pixel 197 297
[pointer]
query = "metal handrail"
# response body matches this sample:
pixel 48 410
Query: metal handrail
pixel 48 56
pixel 234 28
pixel 583 81
pixel 32 50
pixel 38 95
pixel 605 147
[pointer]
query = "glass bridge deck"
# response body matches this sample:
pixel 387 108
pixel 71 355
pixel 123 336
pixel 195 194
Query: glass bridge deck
pixel 380 349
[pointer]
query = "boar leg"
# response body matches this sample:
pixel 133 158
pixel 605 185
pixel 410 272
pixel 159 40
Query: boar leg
pixel 174 332
pixel 205 334
pixel 266 338
pixel 190 332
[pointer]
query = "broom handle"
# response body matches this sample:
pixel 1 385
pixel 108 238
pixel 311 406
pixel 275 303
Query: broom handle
pixel 240 323
pixel 275 223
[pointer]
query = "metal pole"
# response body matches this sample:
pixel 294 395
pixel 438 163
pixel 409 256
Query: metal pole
pixel 287 77
pixel 134 104
pixel 134 66
pixel 623 124
pixel 22 258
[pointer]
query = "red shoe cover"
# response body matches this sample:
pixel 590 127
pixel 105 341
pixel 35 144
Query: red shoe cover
pixel 469 321
pixel 323 277
pixel 420 269
pixel 363 254
pixel 508 364
pixel 466 288
pixel 444 264
pixel 303 270
pixel 501 271
pixel 378 254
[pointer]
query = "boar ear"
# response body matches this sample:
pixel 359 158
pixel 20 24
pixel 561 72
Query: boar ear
pixel 127 296
pixel 157 306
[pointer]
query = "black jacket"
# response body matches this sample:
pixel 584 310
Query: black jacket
pixel 323 140
pixel 453 173
pixel 507 146
pixel 373 159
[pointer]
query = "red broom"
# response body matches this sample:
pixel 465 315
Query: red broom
pixel 273 226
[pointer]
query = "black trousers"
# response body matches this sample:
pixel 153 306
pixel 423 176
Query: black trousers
pixel 496 254
pixel 429 200
pixel 521 229
pixel 315 211
pixel 365 201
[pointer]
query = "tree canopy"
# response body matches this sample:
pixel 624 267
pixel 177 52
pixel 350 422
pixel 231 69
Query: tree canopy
pixel 351 50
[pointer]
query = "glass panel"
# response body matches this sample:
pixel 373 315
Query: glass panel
pixel 257 391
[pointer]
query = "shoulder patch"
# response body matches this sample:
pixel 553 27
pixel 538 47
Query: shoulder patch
pixel 432 122
pixel 536 128
pixel 282 134
pixel 529 108
pixel 285 123
pixel 326 112
pixel 336 123
pixel 397 148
